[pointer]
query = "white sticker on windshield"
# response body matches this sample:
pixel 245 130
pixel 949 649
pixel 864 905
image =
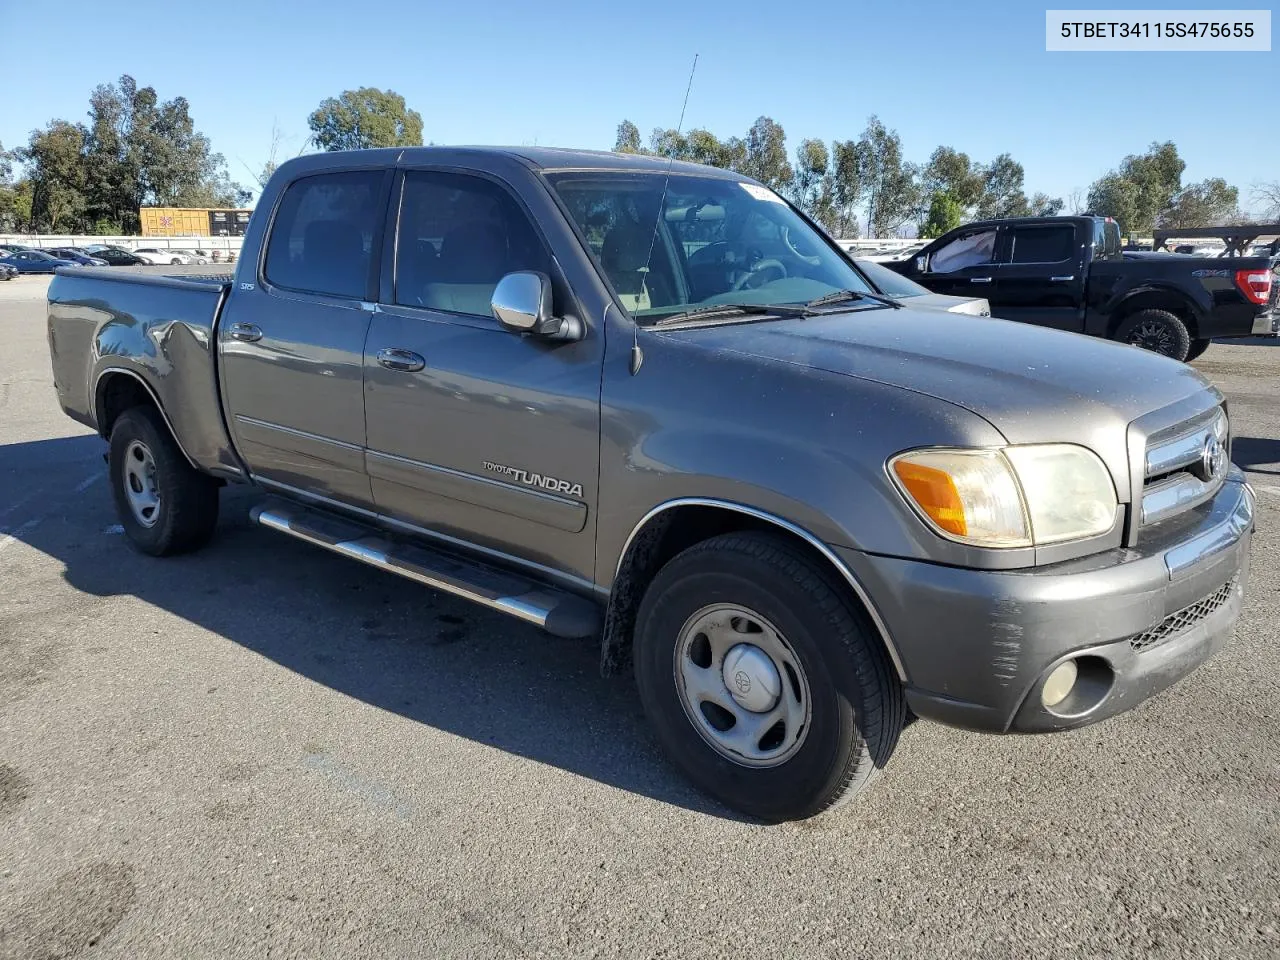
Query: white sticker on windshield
pixel 760 193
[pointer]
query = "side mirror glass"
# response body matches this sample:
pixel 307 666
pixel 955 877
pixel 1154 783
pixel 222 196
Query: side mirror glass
pixel 921 264
pixel 521 301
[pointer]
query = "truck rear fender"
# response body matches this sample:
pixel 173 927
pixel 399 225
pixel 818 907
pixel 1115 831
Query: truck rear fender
pixel 1152 296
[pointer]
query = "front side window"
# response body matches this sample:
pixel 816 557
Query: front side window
pixel 1048 244
pixel 717 242
pixel 458 236
pixel 322 237
pixel 966 250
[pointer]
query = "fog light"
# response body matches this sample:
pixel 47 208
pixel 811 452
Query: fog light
pixel 1059 684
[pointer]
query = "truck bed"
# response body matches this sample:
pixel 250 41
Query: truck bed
pixel 160 330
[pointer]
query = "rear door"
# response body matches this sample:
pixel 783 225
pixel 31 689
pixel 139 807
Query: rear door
pixel 963 266
pixel 1041 276
pixel 292 344
pixel 476 433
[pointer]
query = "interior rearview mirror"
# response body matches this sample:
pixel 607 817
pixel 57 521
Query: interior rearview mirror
pixel 521 302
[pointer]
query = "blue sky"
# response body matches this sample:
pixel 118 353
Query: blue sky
pixel 972 75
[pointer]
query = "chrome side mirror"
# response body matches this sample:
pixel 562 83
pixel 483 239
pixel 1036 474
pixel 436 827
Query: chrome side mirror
pixel 521 302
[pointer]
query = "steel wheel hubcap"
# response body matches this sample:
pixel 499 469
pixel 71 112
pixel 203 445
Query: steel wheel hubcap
pixel 140 487
pixel 1153 336
pixel 742 686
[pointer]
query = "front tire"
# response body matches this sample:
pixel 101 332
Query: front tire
pixel 164 504
pixel 1158 331
pixel 814 709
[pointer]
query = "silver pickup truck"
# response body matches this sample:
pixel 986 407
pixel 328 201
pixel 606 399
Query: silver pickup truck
pixel 653 405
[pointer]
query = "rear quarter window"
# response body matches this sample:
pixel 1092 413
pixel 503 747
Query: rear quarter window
pixel 323 234
pixel 1047 244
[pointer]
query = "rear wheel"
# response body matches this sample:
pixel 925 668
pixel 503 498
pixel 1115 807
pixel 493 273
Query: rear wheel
pixel 1158 331
pixel 762 678
pixel 164 504
pixel 1198 347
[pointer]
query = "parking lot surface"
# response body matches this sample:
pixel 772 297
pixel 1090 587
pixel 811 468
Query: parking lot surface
pixel 262 750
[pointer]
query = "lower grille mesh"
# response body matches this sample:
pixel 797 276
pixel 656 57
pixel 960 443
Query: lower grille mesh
pixel 1183 619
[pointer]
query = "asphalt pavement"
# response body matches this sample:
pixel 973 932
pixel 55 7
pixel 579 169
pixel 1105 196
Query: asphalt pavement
pixel 262 750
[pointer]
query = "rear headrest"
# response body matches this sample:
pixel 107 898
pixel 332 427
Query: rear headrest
pixel 474 253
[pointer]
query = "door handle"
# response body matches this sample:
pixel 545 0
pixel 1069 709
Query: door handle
pixel 245 332
pixel 394 358
pixel 979 279
pixel 1061 279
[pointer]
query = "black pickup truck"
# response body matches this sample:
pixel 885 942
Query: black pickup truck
pixel 1070 273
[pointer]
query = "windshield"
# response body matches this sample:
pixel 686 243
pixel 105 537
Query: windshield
pixel 718 241
pixel 890 282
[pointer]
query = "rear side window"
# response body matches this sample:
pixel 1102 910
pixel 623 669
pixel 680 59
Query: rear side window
pixel 1048 244
pixel 459 235
pixel 322 237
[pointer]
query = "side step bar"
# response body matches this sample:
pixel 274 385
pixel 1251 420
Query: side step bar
pixel 560 613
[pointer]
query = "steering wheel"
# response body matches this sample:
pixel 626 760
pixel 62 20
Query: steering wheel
pixel 751 278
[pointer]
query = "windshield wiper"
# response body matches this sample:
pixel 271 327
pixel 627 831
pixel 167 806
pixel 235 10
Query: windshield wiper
pixel 839 296
pixel 737 310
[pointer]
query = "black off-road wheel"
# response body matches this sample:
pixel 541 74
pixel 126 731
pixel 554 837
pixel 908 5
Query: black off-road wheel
pixel 164 504
pixel 1158 331
pixel 763 679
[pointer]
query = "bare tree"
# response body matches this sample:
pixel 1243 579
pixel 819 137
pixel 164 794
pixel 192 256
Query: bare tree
pixel 1075 201
pixel 1267 193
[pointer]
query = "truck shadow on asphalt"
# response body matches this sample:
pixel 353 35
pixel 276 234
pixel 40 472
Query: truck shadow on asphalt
pixel 1256 454
pixel 361 632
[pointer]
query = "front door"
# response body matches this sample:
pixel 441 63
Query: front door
pixel 964 266
pixel 1041 280
pixel 475 433
pixel 292 344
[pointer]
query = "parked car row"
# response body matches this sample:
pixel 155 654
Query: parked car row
pixel 17 259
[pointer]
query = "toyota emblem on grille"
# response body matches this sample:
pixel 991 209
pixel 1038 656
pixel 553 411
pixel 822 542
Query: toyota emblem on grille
pixel 1213 458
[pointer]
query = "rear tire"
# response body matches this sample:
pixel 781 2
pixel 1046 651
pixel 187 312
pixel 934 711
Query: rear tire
pixel 164 504
pixel 1198 347
pixel 1158 331
pixel 758 592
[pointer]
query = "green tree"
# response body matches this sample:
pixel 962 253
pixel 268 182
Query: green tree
pixel 945 213
pixel 1002 194
pixel 765 154
pixel 1117 197
pixel 1206 204
pixel 893 190
pixel 368 117
pixel 53 161
pixel 628 138
pixel 1152 181
pixel 1043 205
pixel 951 172
pixel 849 171
pixel 812 186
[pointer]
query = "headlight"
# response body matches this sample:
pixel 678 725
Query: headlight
pixel 1016 497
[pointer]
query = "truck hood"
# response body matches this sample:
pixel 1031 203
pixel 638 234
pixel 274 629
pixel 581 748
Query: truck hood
pixel 1033 384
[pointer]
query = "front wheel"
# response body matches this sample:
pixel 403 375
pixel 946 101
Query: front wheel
pixel 165 505
pixel 1158 331
pixel 762 678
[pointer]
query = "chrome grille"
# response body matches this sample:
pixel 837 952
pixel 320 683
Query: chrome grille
pixel 1184 619
pixel 1181 469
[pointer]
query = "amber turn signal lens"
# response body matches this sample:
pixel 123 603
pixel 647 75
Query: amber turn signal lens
pixel 935 492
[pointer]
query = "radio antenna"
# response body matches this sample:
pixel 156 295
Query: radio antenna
pixel 637 355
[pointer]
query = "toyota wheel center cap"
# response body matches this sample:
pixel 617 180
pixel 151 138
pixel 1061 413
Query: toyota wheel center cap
pixel 751 678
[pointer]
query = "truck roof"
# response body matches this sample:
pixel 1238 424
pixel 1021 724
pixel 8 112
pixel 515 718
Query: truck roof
pixel 537 158
pixel 1001 221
